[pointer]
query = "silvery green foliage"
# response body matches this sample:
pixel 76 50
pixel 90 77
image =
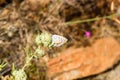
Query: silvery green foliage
pixel 2 65
pixel 19 75
pixel 37 39
pixel 58 40
pixel 45 38
pixel 39 52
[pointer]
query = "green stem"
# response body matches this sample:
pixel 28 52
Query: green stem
pixel 90 20
pixel 2 65
pixel 27 62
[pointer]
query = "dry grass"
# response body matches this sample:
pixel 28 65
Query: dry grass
pixel 20 22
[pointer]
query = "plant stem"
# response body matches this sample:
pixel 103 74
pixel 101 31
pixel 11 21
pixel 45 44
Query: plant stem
pixel 27 62
pixel 90 20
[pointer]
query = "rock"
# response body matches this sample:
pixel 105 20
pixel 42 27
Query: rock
pixel 76 63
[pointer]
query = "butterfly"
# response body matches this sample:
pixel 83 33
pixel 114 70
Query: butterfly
pixel 58 40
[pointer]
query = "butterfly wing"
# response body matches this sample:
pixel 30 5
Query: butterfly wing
pixel 58 40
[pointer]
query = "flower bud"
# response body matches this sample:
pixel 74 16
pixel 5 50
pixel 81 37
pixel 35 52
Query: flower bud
pixel 39 52
pixel 19 74
pixel 45 39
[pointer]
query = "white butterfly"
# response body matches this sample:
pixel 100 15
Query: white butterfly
pixel 58 40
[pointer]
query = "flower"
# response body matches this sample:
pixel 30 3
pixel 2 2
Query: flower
pixel 19 74
pixel 39 52
pixel 44 38
pixel 88 34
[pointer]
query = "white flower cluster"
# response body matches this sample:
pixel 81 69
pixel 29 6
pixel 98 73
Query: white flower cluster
pixel 19 75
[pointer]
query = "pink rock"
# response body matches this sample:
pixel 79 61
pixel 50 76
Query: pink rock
pixel 76 63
